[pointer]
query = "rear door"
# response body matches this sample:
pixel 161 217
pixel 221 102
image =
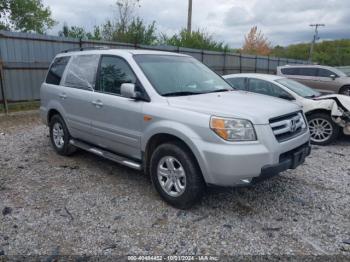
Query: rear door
pixel 76 91
pixel 304 75
pixel 116 120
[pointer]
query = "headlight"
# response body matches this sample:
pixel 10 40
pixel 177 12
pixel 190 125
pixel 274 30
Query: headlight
pixel 232 129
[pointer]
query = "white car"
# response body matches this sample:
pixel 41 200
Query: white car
pixel 327 114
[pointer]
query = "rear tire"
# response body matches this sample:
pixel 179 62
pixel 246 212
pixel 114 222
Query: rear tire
pixel 345 90
pixel 176 175
pixel 59 136
pixel 323 130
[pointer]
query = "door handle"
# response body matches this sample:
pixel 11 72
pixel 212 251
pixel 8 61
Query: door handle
pixel 97 103
pixel 63 95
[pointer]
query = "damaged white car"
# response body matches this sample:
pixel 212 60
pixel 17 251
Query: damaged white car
pixel 327 115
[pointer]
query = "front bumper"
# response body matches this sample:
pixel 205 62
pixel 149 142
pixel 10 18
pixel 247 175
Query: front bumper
pixel 289 160
pixel 240 163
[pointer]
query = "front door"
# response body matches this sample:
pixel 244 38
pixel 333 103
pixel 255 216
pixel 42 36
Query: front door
pixel 117 121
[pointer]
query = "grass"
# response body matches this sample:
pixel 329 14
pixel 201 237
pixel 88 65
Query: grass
pixel 20 106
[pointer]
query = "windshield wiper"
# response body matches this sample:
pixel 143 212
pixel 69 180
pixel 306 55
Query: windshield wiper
pixel 312 96
pixel 219 90
pixel 181 93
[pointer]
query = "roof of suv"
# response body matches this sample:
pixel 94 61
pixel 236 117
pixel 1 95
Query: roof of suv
pixel 305 65
pixel 120 52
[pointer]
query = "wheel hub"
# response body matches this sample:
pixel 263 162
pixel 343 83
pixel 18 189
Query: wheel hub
pixel 171 176
pixel 320 129
pixel 58 135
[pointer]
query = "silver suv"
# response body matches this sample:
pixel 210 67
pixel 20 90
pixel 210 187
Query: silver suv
pixel 170 116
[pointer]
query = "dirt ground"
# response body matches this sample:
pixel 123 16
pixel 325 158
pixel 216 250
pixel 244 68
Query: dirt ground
pixel 86 205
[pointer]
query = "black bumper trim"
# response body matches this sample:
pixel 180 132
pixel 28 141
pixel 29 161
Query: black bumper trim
pixel 290 160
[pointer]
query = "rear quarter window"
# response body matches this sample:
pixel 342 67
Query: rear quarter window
pixel 56 70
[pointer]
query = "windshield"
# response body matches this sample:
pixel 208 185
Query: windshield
pixel 180 75
pixel 298 88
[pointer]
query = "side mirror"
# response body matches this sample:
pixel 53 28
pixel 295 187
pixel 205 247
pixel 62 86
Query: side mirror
pixel 128 90
pixel 333 76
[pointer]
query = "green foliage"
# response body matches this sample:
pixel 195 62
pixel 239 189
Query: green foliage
pixel 334 53
pixel 136 32
pixel 25 16
pixel 79 32
pixel 196 39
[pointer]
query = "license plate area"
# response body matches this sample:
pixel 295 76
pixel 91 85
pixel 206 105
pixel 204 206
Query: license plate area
pixel 298 157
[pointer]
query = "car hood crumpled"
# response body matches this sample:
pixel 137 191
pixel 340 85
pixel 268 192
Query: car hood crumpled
pixel 336 101
pixel 237 104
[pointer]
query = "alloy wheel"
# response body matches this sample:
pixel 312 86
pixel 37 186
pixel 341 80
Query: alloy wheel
pixel 320 130
pixel 171 176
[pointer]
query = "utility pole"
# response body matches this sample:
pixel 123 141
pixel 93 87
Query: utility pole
pixel 314 39
pixel 189 17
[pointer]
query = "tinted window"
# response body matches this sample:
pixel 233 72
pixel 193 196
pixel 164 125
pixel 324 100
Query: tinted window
pixel 308 71
pixel 290 71
pixel 113 73
pixel 237 83
pixel 325 73
pixel 56 70
pixel 82 71
pixel 267 88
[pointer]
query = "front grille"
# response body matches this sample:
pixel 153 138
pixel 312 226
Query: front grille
pixel 288 126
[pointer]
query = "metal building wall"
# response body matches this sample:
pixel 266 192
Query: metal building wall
pixel 25 59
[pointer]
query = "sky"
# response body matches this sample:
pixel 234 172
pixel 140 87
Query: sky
pixel 284 22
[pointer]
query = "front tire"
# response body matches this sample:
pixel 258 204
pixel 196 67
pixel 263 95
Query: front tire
pixel 59 136
pixel 176 175
pixel 323 130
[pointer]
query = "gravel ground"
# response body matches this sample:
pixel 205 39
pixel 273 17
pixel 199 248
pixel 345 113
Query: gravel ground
pixel 84 204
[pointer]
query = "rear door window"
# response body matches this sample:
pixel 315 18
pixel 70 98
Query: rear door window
pixel 237 83
pixel 308 71
pixel 81 71
pixel 56 70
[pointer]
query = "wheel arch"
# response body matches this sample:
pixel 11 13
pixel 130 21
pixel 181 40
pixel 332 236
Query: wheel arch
pixel 318 110
pixel 160 138
pixel 342 87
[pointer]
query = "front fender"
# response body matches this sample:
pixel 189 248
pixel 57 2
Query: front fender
pixel 181 131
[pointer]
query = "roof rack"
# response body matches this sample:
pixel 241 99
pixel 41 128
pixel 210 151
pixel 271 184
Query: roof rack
pixel 85 49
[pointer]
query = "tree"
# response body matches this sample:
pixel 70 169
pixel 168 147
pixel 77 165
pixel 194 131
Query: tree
pixel 137 32
pixel 25 16
pixel 333 52
pixel 196 39
pixel 256 43
pixel 128 28
pixel 79 32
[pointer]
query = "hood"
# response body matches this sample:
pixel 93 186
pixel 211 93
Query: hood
pixel 237 104
pixel 340 100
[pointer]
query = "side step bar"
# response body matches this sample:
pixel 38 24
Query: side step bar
pixel 113 157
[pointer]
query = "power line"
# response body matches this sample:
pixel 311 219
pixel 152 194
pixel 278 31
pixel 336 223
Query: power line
pixel 314 39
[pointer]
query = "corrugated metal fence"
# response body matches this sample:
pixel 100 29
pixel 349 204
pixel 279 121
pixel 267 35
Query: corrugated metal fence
pixel 25 59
